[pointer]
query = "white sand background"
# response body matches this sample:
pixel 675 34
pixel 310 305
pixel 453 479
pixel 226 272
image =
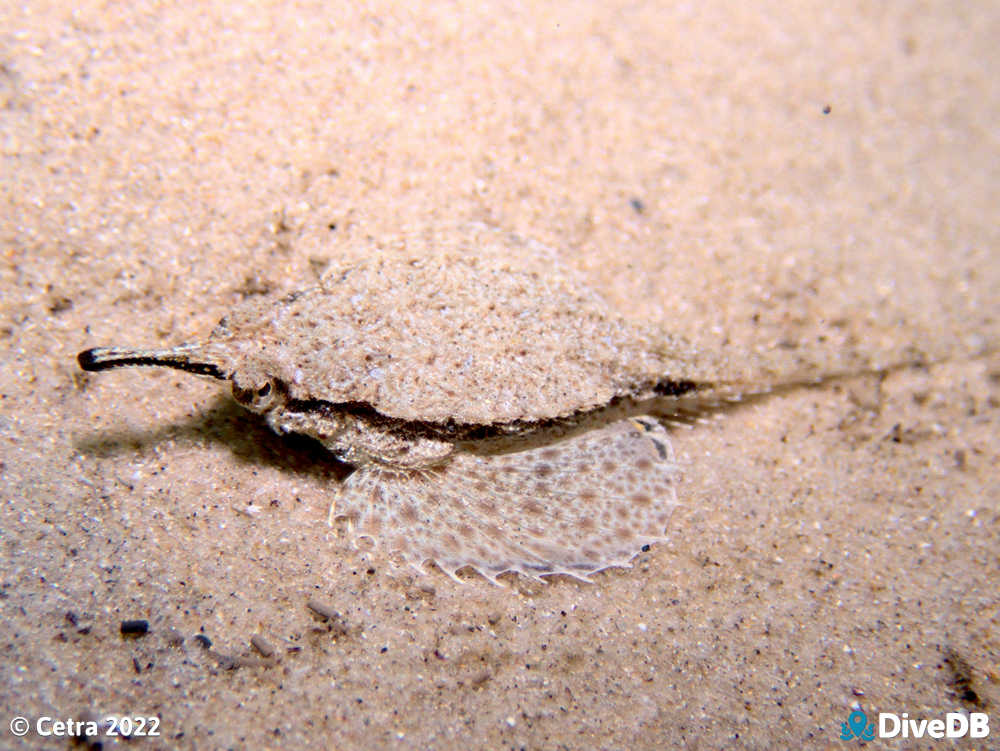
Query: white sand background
pixel 836 546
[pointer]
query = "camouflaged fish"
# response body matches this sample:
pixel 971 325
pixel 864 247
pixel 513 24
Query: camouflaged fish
pixel 475 397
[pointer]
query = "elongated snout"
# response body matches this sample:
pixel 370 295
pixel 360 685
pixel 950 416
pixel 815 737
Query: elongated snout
pixel 189 358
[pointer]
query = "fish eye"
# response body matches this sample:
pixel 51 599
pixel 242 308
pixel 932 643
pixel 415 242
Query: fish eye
pixel 263 396
pixel 256 393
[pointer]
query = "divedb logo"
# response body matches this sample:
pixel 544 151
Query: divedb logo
pixel 891 725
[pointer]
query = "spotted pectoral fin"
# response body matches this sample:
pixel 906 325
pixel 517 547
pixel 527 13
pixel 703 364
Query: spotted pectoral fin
pixel 573 507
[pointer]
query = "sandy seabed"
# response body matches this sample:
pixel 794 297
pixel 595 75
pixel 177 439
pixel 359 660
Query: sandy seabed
pixel 803 189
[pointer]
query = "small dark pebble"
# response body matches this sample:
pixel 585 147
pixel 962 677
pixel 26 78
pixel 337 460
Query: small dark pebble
pixel 323 610
pixel 74 620
pixel 961 678
pixel 637 205
pixel 262 645
pixel 137 627
pixel 203 641
pixel 60 304
pixel 827 109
